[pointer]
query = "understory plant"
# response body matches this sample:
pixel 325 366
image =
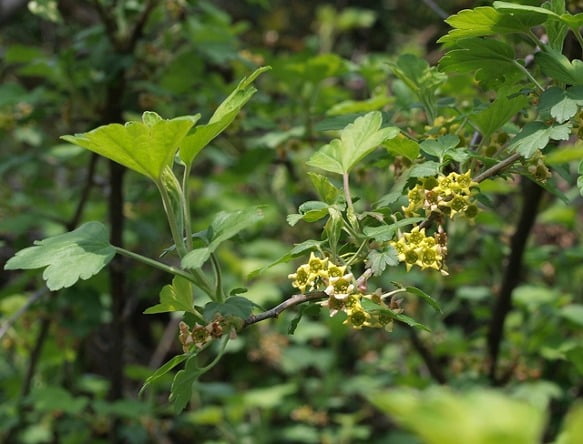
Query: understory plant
pixel 534 95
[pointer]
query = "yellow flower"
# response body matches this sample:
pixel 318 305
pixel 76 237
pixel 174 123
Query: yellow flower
pixel 318 266
pixel 303 278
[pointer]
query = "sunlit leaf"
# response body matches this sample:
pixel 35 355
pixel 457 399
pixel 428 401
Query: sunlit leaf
pixel 175 297
pixel 224 115
pixel 67 257
pixel 225 225
pixel 356 141
pixel 485 20
pixel 145 147
pixel 536 136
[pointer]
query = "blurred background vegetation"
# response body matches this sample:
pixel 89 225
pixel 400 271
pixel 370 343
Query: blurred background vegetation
pixel 71 362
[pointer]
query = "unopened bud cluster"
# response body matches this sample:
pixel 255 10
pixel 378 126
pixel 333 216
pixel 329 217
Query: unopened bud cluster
pixel 200 335
pixel 416 248
pixel 345 293
pixel 449 195
pixel 537 167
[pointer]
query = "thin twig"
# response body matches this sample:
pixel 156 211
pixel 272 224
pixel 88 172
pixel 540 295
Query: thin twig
pixel 435 8
pixel 89 182
pixel 296 299
pixel 430 362
pixel 12 319
pixel 498 167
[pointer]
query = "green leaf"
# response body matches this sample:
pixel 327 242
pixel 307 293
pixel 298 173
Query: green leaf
pixel 485 20
pixel 383 233
pixel 370 306
pixel 536 136
pixel 196 258
pixel 237 306
pixel 306 309
pixel 439 415
pixel 402 146
pixel 559 68
pixel 325 189
pixel 423 80
pixel 580 178
pixel 67 257
pixel 572 429
pixel 224 115
pixel 561 104
pixel 425 169
pixel 145 147
pixel 498 113
pixel 377 261
pixel 557 29
pixel 519 9
pixel 225 225
pixel 176 360
pixel 174 297
pixel 438 147
pixel 418 292
pixel 490 60
pixel 296 251
pixel 573 313
pixel 181 390
pixel 356 141
pixel 333 228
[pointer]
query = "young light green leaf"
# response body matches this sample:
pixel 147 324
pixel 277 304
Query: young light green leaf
pixel 325 189
pixel 425 169
pixel 490 60
pixel 402 146
pixel 145 147
pixel 561 104
pixel 438 147
pixel 383 233
pixel 328 158
pixel 356 141
pixel 377 261
pixel 181 390
pixel 498 113
pixel 174 297
pixel 176 360
pixel 560 68
pixel 536 136
pixel 224 115
pixel 224 226
pixel 296 251
pixel 418 292
pixel 67 257
pixel 519 9
pixel 485 20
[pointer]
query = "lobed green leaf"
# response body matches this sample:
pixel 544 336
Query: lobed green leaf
pixel 146 147
pixel 67 257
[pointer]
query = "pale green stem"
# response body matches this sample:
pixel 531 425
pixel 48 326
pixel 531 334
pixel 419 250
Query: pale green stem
pixel 196 277
pixel 528 74
pixel 176 235
pixel 220 296
pixel 186 206
pixel 223 347
pixel 355 255
pixel 578 37
pixel 346 184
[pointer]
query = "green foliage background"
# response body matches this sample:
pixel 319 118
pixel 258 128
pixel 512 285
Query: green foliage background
pixel 72 66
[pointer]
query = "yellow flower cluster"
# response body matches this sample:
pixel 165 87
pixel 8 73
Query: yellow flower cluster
pixel 449 195
pixel 344 293
pixel 416 248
